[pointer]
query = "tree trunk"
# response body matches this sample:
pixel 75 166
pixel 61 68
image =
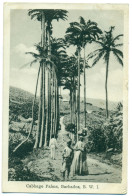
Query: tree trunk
pixel 58 108
pixel 49 105
pixel 47 108
pixel 51 128
pixel 40 110
pixel 106 85
pixel 78 95
pixel 42 93
pixel 84 67
pixel 71 104
pixel 41 143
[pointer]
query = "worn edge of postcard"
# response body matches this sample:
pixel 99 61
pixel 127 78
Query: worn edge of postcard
pixel 14 186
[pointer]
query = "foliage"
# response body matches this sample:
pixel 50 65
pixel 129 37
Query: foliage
pixel 70 127
pixel 113 130
pixel 20 103
pixel 97 140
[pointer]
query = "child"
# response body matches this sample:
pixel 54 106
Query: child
pixel 67 160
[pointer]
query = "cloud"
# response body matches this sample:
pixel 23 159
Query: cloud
pixel 21 49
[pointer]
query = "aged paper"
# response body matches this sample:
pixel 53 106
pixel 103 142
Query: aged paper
pixel 65 98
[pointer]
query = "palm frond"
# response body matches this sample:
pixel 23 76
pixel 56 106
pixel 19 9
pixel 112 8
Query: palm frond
pixel 93 54
pixel 33 54
pixel 82 21
pixel 117 45
pixel 117 37
pixel 118 58
pixel 100 55
pixel 119 52
pixel 25 65
pixel 34 61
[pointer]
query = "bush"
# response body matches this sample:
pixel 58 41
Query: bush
pixel 70 128
pixel 96 140
pixel 113 130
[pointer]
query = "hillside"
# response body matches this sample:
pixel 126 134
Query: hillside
pixel 20 103
pixel 95 102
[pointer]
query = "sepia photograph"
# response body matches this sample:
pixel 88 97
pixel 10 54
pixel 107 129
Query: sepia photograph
pixel 65 98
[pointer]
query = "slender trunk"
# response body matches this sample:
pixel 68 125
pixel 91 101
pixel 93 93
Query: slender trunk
pixel 58 108
pixel 32 114
pixel 84 67
pixel 43 111
pixel 48 130
pixel 106 85
pixel 51 128
pixel 47 108
pixel 78 95
pixel 71 104
pixel 40 110
pixel 49 105
pixel 55 103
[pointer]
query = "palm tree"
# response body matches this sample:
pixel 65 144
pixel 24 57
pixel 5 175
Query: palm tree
pixel 88 32
pixel 73 38
pixel 46 17
pixel 108 46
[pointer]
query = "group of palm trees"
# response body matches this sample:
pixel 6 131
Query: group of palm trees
pixel 57 69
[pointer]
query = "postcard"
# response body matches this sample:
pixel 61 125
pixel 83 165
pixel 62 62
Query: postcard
pixel 65 98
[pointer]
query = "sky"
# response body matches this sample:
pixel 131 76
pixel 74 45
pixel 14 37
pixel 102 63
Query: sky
pixel 25 33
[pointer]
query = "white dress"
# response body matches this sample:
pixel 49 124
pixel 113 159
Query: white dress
pixel 79 164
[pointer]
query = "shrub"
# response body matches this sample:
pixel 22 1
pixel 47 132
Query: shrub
pixel 70 128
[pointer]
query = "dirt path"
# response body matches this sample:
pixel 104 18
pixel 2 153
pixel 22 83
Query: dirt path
pixel 43 166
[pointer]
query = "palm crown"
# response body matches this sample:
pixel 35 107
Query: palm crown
pixel 108 45
pixel 82 33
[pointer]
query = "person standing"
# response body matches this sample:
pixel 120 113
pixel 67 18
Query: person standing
pixel 67 160
pixel 53 146
pixel 79 164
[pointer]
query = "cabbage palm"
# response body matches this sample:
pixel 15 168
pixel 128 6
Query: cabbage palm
pixel 108 46
pixel 45 16
pixel 88 31
pixel 73 38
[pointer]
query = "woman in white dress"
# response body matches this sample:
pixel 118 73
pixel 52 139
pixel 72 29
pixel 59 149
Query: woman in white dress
pixel 79 164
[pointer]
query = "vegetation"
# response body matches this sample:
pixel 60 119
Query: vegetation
pixel 59 70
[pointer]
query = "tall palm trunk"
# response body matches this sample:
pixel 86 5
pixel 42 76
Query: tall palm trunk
pixel 106 86
pixel 58 107
pixel 84 67
pixel 47 108
pixel 51 128
pixel 49 105
pixel 47 131
pixel 55 103
pixel 78 95
pixel 71 104
pixel 40 109
pixel 43 111
pixel 41 118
